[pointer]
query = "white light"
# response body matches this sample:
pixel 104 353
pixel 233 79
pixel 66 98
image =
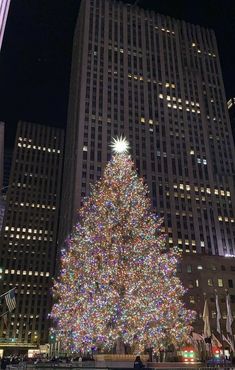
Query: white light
pixel 120 145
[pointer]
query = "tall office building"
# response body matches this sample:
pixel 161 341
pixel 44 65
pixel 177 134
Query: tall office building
pixel 2 202
pixel 1 154
pixel 28 243
pixel 4 8
pixel 8 154
pixel 231 110
pixel 157 81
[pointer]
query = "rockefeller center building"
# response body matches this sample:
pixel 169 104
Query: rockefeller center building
pixel 157 81
pixel 28 242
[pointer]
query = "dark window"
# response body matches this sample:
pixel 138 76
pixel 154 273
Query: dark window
pixel 179 267
pixel 230 283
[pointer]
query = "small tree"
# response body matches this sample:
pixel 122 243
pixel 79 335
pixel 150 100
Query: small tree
pixel 118 280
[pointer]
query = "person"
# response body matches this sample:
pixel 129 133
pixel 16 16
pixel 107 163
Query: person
pixel 3 363
pixel 80 361
pixel 138 364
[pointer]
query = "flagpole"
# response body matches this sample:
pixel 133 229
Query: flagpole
pixel 229 322
pixel 218 318
pixel 2 295
pixel 3 314
pixel 207 328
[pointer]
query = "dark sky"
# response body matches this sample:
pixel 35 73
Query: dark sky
pixel 36 53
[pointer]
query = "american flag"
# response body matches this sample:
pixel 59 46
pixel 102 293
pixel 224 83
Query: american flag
pixel 10 299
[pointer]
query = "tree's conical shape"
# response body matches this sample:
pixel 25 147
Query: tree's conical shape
pixel 117 280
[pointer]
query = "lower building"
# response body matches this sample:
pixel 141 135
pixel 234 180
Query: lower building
pixel 205 276
pixel 28 242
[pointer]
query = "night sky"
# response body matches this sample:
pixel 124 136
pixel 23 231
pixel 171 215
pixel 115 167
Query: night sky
pixel 36 54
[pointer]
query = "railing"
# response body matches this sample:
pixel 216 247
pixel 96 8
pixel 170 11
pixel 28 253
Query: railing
pixel 94 365
pixel 114 366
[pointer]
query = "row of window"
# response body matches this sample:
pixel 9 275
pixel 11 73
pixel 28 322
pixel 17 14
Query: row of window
pixel 210 282
pixel 189 268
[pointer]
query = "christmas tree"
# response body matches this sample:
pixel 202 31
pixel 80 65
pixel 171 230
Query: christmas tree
pixel 118 279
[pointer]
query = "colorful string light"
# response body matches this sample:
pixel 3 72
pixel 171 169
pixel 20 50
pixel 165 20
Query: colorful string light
pixel 118 280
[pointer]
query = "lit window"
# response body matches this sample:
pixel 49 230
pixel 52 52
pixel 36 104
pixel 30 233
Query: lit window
pixel 199 267
pixel 190 284
pixel 191 299
pixel 210 282
pixel 220 283
pixel 197 283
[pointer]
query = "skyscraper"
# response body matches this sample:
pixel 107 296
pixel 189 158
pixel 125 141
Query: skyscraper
pixel 28 243
pixel 157 81
pixel 2 202
pixel 1 154
pixel 4 8
pixel 231 110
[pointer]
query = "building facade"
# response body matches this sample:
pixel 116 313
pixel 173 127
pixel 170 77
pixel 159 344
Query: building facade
pixel 2 201
pixel 4 8
pixel 28 243
pixel 2 210
pixel 231 110
pixel 204 277
pixel 8 154
pixel 1 154
pixel 157 81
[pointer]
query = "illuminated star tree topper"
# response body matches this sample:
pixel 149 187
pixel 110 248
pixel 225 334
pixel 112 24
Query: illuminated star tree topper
pixel 120 145
pixel 118 281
